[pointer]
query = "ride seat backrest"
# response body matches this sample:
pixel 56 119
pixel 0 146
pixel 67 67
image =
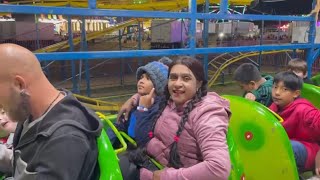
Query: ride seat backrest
pixel 311 93
pixel 316 79
pixel 262 144
pixel 107 159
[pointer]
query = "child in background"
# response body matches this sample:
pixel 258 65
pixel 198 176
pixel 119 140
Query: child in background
pixel 6 152
pixel 301 118
pixel 256 87
pixel 152 77
pixel 300 68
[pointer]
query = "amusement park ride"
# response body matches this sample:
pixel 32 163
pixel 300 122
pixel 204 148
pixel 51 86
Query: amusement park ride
pixel 253 157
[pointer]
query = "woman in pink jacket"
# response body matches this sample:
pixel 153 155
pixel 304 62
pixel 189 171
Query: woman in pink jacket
pixel 187 133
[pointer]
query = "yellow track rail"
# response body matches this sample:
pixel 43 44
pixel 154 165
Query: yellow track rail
pixel 233 60
pixel 90 36
pixel 149 5
pixel 98 105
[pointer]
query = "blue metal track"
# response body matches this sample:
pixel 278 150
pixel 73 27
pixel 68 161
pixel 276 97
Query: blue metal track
pixel 192 25
pixel 26 9
pixel 205 35
pixel 75 88
pixel 191 15
pixel 164 52
pixel 311 39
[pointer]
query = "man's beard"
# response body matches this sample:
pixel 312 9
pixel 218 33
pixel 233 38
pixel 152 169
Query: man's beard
pixel 20 107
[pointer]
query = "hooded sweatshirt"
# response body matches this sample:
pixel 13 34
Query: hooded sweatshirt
pixel 62 145
pixel 302 123
pixel 202 145
pixel 264 93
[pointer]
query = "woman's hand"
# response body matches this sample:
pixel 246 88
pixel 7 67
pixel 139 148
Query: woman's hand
pixel 125 109
pixel 156 175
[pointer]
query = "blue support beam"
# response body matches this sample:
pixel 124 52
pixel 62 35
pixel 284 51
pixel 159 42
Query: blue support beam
pixel 27 9
pixel 73 63
pixel 311 38
pixel 294 53
pixel 223 7
pixel 252 17
pixel 191 18
pixel 205 36
pixel 37 30
pixel 192 25
pixel 92 4
pixel 140 24
pixel 316 54
pixel 84 47
pixel 261 42
pixel 163 52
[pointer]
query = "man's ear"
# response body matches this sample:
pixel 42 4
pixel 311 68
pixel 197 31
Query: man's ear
pixel 20 83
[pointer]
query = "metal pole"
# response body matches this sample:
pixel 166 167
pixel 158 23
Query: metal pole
pixel 120 38
pixel 63 63
pixel 85 48
pixel 92 4
pixel 45 63
pixel 261 42
pixel 205 39
pixel 37 31
pixel 278 35
pixel 311 38
pixel 193 24
pixel 181 34
pixel 139 41
pixel 122 62
pixel 73 63
pixel 294 53
pixel 223 6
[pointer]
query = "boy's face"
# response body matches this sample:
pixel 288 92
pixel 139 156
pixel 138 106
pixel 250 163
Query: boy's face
pixel 6 124
pixel 282 96
pixel 144 85
pixel 251 86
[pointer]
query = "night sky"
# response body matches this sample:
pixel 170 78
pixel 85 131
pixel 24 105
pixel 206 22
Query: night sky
pixel 287 7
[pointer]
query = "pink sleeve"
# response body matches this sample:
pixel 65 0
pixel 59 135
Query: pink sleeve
pixel 135 99
pixel 210 129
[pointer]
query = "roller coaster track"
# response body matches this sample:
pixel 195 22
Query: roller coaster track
pixel 150 5
pixel 90 36
pixel 219 65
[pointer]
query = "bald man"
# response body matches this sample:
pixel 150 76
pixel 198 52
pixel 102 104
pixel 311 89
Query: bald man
pixel 56 135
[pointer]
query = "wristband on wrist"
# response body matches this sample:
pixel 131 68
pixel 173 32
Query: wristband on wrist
pixel 142 108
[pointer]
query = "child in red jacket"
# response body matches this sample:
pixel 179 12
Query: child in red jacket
pixel 301 118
